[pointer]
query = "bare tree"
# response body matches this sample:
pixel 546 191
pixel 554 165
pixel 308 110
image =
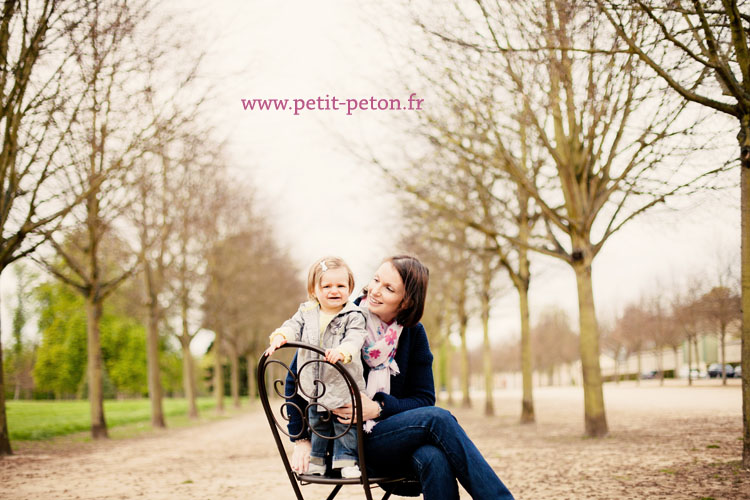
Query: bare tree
pixel 721 308
pixel 154 225
pixel 121 116
pixel 171 213
pixel 425 237
pixel 506 358
pixel 196 169
pixel 233 211
pixel 553 342
pixel 661 329
pixel 701 49
pixel 461 183
pixel 442 241
pixel 671 335
pixel 214 310
pixel 254 288
pixel 687 317
pixel 489 267
pixel 632 328
pixel 583 100
pixel 158 218
pixel 22 351
pixel 461 178
pixel 36 109
pixel 461 294
pixel 612 342
pixel 101 153
pixel 169 99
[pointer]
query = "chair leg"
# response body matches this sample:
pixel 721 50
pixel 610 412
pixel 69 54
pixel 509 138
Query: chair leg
pixel 387 495
pixel 334 492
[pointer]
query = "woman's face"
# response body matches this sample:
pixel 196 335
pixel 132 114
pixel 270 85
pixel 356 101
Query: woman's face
pixel 385 293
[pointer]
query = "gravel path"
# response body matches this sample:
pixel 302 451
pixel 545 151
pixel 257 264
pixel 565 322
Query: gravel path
pixel 666 442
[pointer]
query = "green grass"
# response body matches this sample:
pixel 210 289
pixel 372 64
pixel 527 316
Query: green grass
pixel 37 420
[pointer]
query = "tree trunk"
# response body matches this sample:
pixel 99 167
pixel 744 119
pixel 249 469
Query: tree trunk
pixel 639 370
pixel 527 399
pixel 154 372
pixel 188 375
pixel 697 353
pixel 593 395
pixel 234 376
pixel 463 320
pixel 522 287
pixel 94 362
pixel 690 362
pixel 660 361
pixel 745 273
pixel 252 387
pixel 723 356
pixel 188 363
pixel 489 407
pixel 438 365
pixel 465 371
pixel 5 448
pixel 445 359
pixel 676 363
pixel 617 369
pixel 218 373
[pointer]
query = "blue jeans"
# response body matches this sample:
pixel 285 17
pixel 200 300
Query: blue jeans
pixel 344 448
pixel 429 442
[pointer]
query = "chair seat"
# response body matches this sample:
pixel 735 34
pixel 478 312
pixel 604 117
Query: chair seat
pixel 315 479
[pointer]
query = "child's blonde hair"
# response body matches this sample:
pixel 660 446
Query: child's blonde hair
pixel 315 274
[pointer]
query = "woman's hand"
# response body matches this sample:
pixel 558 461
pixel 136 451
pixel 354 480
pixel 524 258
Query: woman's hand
pixel 301 456
pixel 370 410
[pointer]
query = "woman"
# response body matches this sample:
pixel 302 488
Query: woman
pixel 406 431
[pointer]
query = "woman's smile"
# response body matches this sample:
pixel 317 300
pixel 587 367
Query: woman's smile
pixel 385 293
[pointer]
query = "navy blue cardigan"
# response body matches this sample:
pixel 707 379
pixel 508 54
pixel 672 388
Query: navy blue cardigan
pixel 412 388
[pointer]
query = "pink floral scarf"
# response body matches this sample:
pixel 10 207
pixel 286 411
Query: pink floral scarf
pixel 379 351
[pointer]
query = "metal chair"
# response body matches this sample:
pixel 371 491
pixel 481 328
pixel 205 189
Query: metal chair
pixel 278 425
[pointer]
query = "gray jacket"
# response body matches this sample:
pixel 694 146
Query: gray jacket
pixel 346 331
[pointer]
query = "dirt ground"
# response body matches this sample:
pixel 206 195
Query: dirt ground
pixel 665 442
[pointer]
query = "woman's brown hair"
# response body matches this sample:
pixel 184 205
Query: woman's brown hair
pixel 415 276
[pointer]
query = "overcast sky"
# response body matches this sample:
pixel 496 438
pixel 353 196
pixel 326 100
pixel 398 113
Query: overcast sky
pixel 324 200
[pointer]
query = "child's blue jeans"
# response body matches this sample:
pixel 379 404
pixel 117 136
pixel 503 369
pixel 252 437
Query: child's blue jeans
pixel 344 448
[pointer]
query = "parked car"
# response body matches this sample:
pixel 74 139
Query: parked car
pixel 694 373
pixel 714 370
pixel 650 374
pixel 738 371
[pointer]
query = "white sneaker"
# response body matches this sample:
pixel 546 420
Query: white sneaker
pixel 316 469
pixel 350 472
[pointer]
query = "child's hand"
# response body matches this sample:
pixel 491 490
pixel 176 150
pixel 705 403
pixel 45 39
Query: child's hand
pixel 276 342
pixel 333 355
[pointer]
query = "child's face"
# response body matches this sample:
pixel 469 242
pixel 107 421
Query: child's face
pixel 333 290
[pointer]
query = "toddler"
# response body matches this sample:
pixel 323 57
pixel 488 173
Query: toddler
pixel 330 321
